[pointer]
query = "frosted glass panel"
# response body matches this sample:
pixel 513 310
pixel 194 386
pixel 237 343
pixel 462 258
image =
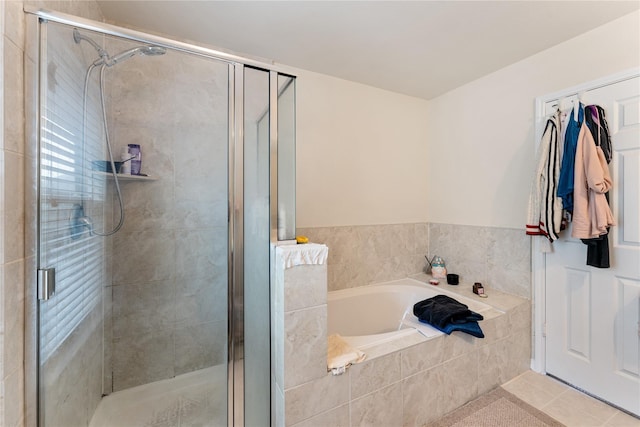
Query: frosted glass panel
pixel 257 350
pixel 286 157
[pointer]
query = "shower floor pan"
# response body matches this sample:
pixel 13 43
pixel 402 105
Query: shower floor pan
pixel 193 399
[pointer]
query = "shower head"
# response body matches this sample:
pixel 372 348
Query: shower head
pixel 106 59
pixel 140 50
pixel 78 37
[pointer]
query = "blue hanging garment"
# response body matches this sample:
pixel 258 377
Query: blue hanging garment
pixel 565 183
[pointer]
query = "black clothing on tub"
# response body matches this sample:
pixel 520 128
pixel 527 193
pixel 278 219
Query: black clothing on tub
pixel 448 315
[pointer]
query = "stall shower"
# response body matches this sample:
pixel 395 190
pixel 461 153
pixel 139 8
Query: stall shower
pixel 147 283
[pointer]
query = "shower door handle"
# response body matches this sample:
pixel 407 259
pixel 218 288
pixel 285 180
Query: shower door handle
pixel 46 283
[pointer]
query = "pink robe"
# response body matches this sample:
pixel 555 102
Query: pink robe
pixel 591 212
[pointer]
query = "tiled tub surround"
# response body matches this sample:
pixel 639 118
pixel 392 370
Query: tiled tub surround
pixel 408 382
pixel 360 255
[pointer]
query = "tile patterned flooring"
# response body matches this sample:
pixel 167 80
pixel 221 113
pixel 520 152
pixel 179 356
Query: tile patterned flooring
pixel 566 404
pixel 191 400
pixel 195 399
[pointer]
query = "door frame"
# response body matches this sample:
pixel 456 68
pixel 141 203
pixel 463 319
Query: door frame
pixel 538 259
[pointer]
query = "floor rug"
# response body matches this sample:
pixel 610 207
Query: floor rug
pixel 497 408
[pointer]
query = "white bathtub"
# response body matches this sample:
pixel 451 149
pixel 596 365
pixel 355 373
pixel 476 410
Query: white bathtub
pixel 367 316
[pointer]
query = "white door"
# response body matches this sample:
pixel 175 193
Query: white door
pixel 592 314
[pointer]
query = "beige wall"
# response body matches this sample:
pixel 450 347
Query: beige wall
pixel 481 138
pixel 367 156
pixel 361 154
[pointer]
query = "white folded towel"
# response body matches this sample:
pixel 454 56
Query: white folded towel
pixel 308 253
pixel 340 355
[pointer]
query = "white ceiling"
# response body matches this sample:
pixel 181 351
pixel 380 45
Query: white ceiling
pixel 419 48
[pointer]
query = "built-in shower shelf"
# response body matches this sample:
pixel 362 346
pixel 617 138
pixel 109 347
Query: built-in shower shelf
pixel 127 177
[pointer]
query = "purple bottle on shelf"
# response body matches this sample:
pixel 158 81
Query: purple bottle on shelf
pixel 136 162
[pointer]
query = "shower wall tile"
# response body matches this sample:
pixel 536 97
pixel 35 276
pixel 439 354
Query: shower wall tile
pixel 172 251
pixel 143 359
pixel 148 207
pixel 200 346
pixel 13 321
pixel 197 214
pixel 13 415
pixel 143 308
pixel 13 207
pixel 197 255
pixel 13 97
pixel 144 256
pixel 200 300
pixel 14 25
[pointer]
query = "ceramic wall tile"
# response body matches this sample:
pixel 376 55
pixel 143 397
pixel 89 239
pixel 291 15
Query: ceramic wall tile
pixel 200 346
pixel 520 317
pixel 143 359
pixel 13 391
pixel 143 308
pixel 305 286
pixel 13 207
pixel 145 256
pixel 13 95
pixel 459 343
pixel 496 257
pixel 200 214
pixel 361 255
pixel 493 365
pixel 338 417
pixel 421 232
pixel 197 254
pixel 520 352
pixel 382 408
pixel 305 346
pixel 509 249
pixel 14 25
pixel 315 397
pixel 13 325
pixel 422 356
pixel 201 299
pixel 420 404
pixel 462 381
pixel 372 375
pixel 148 207
pixel 511 281
pixel 495 326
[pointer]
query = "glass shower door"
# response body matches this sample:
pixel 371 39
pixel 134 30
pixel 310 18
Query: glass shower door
pixel 140 315
pixel 73 268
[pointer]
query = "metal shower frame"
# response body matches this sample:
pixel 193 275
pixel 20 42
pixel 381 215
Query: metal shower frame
pixel 235 255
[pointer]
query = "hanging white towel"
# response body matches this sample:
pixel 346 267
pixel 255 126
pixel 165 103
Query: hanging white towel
pixel 340 355
pixel 306 254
